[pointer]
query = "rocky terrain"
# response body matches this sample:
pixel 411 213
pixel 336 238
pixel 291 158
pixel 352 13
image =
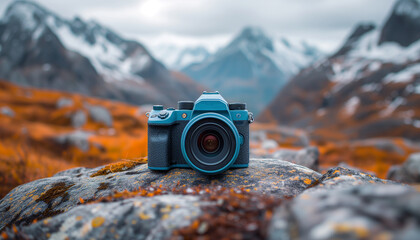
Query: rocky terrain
pixel 44 131
pixel 367 89
pixel 252 67
pixel 41 49
pixel 272 199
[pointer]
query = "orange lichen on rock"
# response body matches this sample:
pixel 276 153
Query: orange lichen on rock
pixel 98 221
pixel 119 166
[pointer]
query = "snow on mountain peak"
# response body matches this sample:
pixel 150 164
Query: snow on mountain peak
pixel 252 39
pixel 178 57
pixel 409 8
pixel 25 13
pixel 112 56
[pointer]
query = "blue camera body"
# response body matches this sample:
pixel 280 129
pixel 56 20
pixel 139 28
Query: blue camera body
pixel 209 135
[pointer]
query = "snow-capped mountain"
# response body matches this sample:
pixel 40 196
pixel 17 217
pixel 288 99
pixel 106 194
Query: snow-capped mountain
pixel 39 48
pixel 369 88
pixel 176 57
pixel 252 67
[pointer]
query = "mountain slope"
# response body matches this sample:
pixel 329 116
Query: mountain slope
pixel 252 67
pixel 41 49
pixel 176 58
pixel 369 88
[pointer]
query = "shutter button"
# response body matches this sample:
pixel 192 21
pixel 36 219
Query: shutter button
pixel 163 114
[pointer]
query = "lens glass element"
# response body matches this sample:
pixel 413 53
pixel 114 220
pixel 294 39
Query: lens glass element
pixel 209 142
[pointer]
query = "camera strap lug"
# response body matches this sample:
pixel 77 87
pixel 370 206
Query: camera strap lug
pixel 250 117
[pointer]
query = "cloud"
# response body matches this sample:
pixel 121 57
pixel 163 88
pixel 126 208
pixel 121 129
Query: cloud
pixel 324 21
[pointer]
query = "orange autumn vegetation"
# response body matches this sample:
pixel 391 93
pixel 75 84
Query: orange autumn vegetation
pixel 336 148
pixel 28 150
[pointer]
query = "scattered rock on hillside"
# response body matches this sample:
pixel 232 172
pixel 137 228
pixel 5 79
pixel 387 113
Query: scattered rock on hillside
pixel 64 102
pixel 78 138
pixel 385 144
pixel 100 114
pixel 354 212
pixel 307 157
pixel 78 119
pixel 7 111
pixel 50 196
pixel 409 172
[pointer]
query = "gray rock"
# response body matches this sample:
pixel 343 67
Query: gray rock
pixel 345 165
pixel 78 138
pixel 78 119
pixel 51 196
pixel 409 172
pixel 7 111
pixel 307 157
pixel 134 218
pixel 385 144
pixel 353 212
pixel 340 177
pixel 100 114
pixel 64 102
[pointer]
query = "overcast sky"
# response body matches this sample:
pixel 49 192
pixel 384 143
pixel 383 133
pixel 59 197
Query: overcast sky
pixel 212 23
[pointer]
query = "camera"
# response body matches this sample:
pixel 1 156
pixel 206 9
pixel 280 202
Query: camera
pixel 209 135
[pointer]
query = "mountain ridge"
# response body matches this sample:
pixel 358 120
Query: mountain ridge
pixel 112 67
pixel 252 58
pixel 368 88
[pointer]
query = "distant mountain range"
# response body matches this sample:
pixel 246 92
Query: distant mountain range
pixel 177 57
pixel 39 48
pixel 368 88
pixel 253 67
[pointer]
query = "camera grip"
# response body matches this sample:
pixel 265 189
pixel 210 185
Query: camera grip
pixel 158 147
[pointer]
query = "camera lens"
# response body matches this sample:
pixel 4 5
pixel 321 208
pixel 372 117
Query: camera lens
pixel 209 142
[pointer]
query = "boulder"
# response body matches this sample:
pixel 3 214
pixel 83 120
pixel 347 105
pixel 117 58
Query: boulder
pixel 251 203
pixel 64 102
pixel 307 157
pixel 100 114
pixel 78 119
pixel 78 138
pixel 409 172
pixel 60 193
pixel 135 218
pixel 367 211
pixel 340 177
pixel 7 111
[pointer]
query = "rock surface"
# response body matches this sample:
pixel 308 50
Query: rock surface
pixel 78 138
pixel 343 203
pixel 78 119
pixel 308 157
pixel 100 114
pixel 139 218
pixel 62 192
pixel 7 111
pixel 409 172
pixel 354 212
pixel 64 102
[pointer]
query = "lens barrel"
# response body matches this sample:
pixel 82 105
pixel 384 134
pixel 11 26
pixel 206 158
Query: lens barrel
pixel 210 143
